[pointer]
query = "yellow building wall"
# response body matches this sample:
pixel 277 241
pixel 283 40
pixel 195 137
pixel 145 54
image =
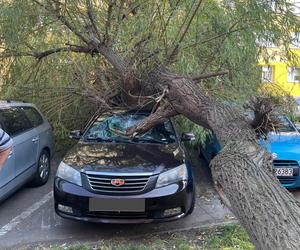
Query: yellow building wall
pixel 280 84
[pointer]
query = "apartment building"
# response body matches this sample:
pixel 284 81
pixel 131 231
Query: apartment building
pixel 277 73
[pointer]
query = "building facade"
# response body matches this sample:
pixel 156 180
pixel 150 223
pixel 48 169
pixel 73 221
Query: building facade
pixel 277 73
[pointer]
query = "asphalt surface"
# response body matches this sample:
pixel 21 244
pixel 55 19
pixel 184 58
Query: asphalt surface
pixel 28 219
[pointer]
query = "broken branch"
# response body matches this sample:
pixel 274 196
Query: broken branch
pixel 209 75
pixel 163 113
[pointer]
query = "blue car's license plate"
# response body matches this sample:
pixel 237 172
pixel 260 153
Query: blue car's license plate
pixel 284 171
pixel 119 205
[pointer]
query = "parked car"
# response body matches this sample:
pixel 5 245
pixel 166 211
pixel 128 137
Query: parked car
pixel 110 178
pixel 284 144
pixel 29 159
pixel 297 111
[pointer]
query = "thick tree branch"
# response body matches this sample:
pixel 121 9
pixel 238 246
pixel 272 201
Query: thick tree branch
pixel 174 8
pixel 159 116
pixel 94 44
pixel 115 31
pixel 175 51
pixel 92 18
pixel 111 4
pixel 57 11
pixel 41 54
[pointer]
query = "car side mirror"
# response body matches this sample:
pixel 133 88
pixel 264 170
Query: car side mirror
pixel 297 125
pixel 188 136
pixel 75 134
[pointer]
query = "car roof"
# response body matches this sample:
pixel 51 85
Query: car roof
pixel 124 111
pixel 10 104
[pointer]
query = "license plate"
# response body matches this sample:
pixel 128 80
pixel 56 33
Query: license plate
pixel 118 205
pixel 284 171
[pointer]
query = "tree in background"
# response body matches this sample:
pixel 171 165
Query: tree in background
pixel 171 56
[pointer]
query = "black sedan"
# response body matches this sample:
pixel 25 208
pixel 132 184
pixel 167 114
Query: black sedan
pixel 110 178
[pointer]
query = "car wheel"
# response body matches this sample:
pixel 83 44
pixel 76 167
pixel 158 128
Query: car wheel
pixel 191 209
pixel 200 153
pixel 43 169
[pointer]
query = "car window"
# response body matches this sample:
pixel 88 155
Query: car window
pixel 14 121
pixel 114 128
pixel 286 125
pixel 33 116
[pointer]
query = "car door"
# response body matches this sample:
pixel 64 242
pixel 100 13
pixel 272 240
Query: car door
pixel 8 171
pixel 25 138
pixel 42 127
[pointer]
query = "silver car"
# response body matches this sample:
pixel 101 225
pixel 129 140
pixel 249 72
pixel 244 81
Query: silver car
pixel 33 145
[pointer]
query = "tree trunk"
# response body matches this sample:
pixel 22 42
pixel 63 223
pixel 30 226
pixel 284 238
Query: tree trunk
pixel 269 213
pixel 242 171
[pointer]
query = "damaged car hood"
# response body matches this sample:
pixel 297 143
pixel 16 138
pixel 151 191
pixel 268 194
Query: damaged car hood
pixel 124 157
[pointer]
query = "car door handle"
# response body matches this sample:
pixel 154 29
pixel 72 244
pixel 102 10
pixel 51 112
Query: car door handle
pixel 35 139
pixel 10 154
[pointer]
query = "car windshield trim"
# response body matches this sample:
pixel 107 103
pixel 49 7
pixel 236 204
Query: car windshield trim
pixel 113 128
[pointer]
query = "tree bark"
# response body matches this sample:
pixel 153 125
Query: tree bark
pixel 242 170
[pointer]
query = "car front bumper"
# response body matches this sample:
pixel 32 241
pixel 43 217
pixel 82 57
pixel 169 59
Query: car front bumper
pixel 162 204
pixel 290 183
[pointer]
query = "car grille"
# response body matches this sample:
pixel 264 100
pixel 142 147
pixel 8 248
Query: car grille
pixel 133 183
pixel 285 164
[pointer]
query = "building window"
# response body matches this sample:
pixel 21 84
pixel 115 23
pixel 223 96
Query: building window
pixel 295 7
pixel 267 74
pixel 293 74
pixel 295 40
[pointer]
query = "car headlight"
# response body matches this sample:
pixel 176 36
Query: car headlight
pixel 68 173
pixel 172 176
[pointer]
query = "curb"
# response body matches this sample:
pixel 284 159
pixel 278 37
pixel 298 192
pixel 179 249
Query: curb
pixel 71 242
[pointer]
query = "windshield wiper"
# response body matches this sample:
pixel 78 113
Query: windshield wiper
pixel 116 139
pixel 121 139
pixel 98 139
pixel 151 140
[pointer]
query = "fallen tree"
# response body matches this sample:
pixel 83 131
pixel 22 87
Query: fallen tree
pixel 242 171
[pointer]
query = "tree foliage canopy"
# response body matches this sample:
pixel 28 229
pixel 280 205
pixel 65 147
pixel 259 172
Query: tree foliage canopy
pixel 202 36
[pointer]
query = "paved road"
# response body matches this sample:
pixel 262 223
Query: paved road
pixel 28 217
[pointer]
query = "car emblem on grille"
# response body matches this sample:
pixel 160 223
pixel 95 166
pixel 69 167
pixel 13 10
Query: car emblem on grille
pixel 117 182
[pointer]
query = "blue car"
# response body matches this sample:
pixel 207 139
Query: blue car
pixel 284 145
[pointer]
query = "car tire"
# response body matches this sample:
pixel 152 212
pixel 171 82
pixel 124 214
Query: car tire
pixel 201 155
pixel 42 173
pixel 191 209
